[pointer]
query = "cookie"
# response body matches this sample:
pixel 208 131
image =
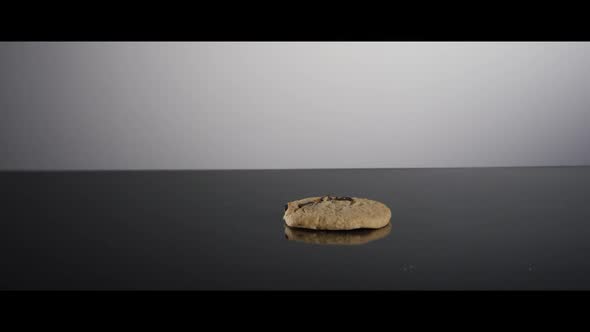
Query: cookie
pixel 351 237
pixel 336 213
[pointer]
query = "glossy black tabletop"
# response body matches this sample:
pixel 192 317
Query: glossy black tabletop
pixel 451 229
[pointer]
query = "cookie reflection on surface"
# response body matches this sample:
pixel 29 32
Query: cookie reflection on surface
pixel 352 237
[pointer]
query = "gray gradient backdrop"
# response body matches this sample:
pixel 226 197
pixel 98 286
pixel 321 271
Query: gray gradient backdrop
pixel 293 105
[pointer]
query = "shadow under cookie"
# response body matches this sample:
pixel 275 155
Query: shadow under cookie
pixel 351 237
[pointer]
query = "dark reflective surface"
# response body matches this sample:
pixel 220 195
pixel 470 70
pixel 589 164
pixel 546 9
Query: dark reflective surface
pixel 341 238
pixel 504 228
